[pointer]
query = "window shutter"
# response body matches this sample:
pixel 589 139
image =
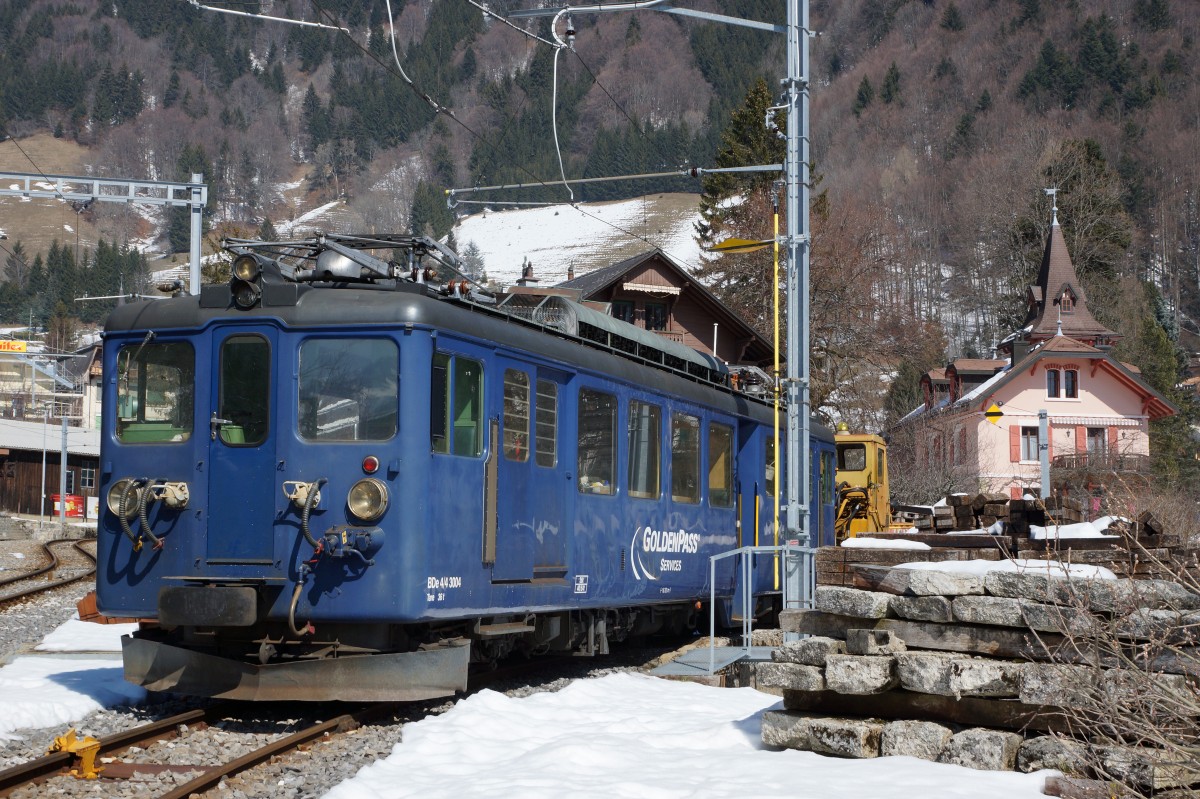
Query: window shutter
pixel 1014 443
pixel 1112 440
pixel 1014 492
pixel 1080 438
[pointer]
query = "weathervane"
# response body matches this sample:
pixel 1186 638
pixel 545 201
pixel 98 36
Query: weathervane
pixel 1053 195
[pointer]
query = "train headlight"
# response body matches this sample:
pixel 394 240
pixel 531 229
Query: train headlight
pixel 245 283
pixel 368 499
pixel 245 267
pixel 131 503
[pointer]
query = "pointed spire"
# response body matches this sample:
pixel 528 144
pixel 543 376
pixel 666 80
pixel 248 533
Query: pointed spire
pixel 1053 194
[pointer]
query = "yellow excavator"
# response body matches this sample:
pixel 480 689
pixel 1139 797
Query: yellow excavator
pixel 864 504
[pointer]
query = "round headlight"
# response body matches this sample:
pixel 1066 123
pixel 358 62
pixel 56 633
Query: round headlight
pixel 246 295
pixel 368 499
pixel 245 267
pixel 131 504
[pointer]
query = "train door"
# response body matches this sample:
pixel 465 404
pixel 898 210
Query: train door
pixel 550 480
pixel 241 468
pixel 515 499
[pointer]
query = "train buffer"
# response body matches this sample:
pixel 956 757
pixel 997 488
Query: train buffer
pixel 795 568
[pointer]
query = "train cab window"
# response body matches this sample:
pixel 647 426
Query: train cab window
pixel 349 389
pixel 456 405
pixel 645 449
pixel 720 465
pixel 852 457
pixel 597 436
pixel 516 415
pixel 245 385
pixel 545 450
pixel 685 458
pixel 156 389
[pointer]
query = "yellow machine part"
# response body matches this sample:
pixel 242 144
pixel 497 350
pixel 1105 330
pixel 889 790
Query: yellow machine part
pixel 85 748
pixel 864 503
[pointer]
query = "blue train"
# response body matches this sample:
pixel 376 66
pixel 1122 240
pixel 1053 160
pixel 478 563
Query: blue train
pixel 332 479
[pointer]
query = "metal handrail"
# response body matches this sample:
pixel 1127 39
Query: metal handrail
pixel 795 557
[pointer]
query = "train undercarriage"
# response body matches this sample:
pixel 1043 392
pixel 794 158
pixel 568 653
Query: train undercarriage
pixel 374 662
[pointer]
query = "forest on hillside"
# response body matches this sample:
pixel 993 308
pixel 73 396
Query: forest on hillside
pixel 936 126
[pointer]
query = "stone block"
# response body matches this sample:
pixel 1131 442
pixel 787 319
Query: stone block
pixel 1143 691
pixel 995 610
pixel 1057 684
pixel 860 674
pixel 851 602
pixel 923 739
pixel 1167 594
pixel 925 672
pixel 775 677
pixel 1030 585
pixel 984 749
pixel 922 608
pixel 1150 770
pixel 985 677
pixel 947 674
pixel 928 582
pixel 858 738
pixel 1050 752
pixel 786 729
pixel 809 651
pixel 873 642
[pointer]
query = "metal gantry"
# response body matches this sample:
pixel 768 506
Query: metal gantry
pixel 796 241
pixel 193 195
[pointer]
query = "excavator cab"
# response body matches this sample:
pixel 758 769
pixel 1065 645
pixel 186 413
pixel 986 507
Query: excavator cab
pixel 864 504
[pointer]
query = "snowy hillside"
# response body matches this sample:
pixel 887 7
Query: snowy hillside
pixel 588 236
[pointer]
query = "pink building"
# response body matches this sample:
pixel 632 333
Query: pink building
pixel 1099 409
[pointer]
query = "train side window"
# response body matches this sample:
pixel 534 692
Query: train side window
pixel 245 386
pixel 827 478
pixel 645 445
pixel 685 458
pixel 156 389
pixel 545 451
pixel 720 465
pixel 456 405
pixel 597 434
pixel 516 415
pixel 348 389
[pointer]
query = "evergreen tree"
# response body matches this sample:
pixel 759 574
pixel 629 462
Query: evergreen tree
pixel 1153 15
pixel 866 93
pixel 429 215
pixel 952 18
pixel 890 92
pixel 171 93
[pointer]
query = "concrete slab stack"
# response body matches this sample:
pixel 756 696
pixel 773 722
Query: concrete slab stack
pixel 989 671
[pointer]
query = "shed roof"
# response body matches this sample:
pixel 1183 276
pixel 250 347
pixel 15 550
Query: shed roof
pixel 34 436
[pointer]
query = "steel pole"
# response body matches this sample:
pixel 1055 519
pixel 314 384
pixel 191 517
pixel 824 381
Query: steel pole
pixel 196 211
pixel 62 481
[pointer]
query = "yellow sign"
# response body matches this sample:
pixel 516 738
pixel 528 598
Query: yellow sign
pixel 13 346
pixel 993 414
pixel 740 245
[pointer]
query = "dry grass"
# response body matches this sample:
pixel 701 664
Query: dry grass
pixel 37 222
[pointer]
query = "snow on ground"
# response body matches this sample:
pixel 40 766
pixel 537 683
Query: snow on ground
pixel 627 735
pixel 1080 530
pixel 557 236
pixel 298 225
pixel 981 567
pixel 623 735
pixel 45 691
pixel 883 543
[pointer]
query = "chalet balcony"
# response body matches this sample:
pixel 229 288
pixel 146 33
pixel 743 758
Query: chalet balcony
pixel 670 335
pixel 1110 462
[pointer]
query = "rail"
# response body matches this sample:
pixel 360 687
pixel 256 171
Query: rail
pixel 77 543
pixel 798 571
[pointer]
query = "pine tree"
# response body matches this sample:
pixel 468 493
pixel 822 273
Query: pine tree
pixel 890 93
pixel 866 93
pixel 952 19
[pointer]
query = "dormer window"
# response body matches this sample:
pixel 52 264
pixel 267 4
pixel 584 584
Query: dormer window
pixel 1066 302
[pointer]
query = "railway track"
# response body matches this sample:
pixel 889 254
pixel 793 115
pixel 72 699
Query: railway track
pixel 105 756
pixel 25 585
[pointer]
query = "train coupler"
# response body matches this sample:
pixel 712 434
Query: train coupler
pixel 360 543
